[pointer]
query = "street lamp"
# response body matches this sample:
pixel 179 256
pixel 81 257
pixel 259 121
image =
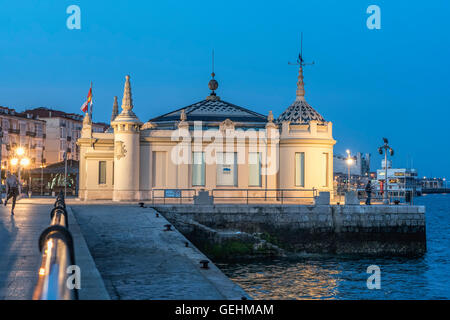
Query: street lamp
pixel 349 161
pixel 20 160
pixel 386 148
pixel 42 175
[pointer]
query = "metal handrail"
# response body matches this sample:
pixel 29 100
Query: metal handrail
pixel 281 195
pixel 56 246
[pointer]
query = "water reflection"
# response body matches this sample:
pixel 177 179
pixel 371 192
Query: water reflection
pixel 344 277
pixel 286 280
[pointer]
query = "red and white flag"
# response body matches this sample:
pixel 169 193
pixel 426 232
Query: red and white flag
pixel 85 105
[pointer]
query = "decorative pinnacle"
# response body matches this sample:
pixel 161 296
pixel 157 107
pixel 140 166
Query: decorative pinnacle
pixel 183 116
pixel 87 119
pixel 270 116
pixel 127 101
pixel 300 85
pixel 213 84
pixel 115 111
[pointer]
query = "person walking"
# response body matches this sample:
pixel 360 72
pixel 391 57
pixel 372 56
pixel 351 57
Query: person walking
pixel 368 190
pixel 12 190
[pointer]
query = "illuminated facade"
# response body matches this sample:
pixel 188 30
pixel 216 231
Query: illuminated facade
pixel 211 145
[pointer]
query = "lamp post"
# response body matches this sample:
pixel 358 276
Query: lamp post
pixel 349 161
pixel 42 175
pixel 385 147
pixel 66 153
pixel 20 160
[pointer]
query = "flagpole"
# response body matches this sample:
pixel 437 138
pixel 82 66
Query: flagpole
pixel 92 144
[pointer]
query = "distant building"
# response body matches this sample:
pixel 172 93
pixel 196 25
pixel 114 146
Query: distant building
pixel 21 129
pixel 359 167
pixel 62 131
pixel 432 183
pixel 398 180
pixel 359 171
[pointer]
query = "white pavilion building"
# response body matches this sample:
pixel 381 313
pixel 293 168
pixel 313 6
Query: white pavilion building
pixel 212 145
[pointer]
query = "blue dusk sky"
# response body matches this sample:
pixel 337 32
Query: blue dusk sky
pixel 393 82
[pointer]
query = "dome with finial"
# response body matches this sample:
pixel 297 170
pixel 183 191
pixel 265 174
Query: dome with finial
pixel 300 112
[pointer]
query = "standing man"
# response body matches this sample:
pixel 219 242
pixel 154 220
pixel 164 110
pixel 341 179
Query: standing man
pixel 369 192
pixel 12 189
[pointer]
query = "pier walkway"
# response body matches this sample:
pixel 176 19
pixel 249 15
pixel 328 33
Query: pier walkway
pixel 122 250
pixel 20 257
pixel 139 260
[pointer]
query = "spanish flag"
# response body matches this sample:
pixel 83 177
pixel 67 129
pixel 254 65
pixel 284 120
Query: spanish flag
pixel 84 107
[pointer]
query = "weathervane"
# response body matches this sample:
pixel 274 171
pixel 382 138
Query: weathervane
pixel 300 62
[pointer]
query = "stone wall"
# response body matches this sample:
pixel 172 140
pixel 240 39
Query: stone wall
pixel 397 230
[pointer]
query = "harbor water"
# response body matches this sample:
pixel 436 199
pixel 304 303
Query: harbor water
pixel 345 277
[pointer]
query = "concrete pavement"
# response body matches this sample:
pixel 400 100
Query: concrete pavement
pixel 139 260
pixel 136 258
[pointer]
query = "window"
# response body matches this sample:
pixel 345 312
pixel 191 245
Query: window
pixel 300 169
pixel 198 168
pixel 159 169
pixel 102 172
pixel 227 169
pixel 254 169
pixel 324 172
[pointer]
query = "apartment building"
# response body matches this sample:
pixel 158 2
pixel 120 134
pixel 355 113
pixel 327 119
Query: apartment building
pixel 62 131
pixel 21 129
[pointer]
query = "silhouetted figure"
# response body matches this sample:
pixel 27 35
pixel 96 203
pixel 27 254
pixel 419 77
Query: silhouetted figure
pixel 369 192
pixel 12 190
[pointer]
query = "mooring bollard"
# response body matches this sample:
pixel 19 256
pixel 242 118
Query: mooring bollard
pixel 204 264
pixel 168 227
pixel 141 204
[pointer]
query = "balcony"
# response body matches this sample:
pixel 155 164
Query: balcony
pixel 14 131
pixel 31 133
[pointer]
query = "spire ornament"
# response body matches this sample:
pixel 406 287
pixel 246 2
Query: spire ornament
pixel 270 116
pixel 127 115
pixel 213 84
pixel 183 116
pixel 127 101
pixel 115 110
